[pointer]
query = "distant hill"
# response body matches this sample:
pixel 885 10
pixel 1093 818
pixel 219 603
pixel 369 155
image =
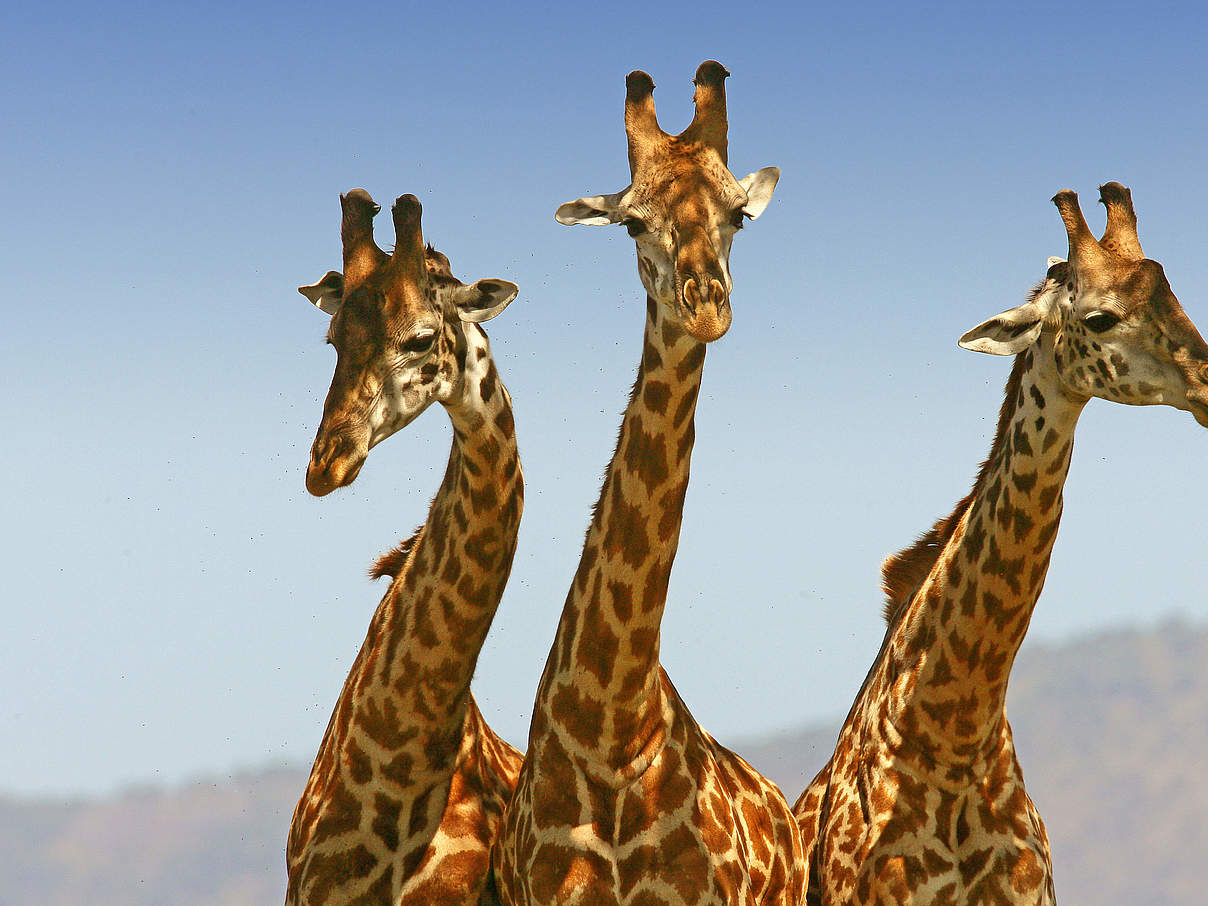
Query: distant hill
pixel 215 843
pixel 1110 730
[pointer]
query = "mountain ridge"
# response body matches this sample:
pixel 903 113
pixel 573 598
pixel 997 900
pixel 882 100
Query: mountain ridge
pixel 1125 820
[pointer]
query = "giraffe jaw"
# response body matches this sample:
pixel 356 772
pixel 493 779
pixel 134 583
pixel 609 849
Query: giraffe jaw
pixel 1199 411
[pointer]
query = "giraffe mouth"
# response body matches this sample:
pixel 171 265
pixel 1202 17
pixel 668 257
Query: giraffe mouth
pixel 324 477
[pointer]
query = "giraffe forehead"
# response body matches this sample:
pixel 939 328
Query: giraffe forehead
pixel 360 323
pixel 1131 287
pixel 1142 281
pixel 410 296
pixel 372 315
pixel 689 185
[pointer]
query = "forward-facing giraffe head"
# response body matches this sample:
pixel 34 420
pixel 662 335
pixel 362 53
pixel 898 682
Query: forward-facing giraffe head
pixel 683 205
pixel 396 326
pixel 1118 331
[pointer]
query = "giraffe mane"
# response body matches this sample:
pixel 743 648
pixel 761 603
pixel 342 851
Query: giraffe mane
pixel 598 506
pixel 903 573
pixel 392 563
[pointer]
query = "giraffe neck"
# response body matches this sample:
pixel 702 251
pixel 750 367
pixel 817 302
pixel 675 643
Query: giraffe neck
pixel 602 690
pixel 951 649
pixel 411 688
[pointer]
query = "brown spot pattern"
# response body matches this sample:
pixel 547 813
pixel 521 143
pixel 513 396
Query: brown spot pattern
pixel 923 800
pixel 623 798
pixel 404 801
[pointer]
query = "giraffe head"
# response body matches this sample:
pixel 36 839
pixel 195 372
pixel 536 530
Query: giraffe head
pixel 396 326
pixel 683 205
pixel 1118 331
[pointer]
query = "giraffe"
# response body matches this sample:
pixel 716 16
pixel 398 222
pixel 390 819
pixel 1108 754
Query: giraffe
pixel 923 800
pixel 409 784
pixel 623 797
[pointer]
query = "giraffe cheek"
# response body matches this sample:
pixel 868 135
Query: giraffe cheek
pixel 656 280
pixel 646 272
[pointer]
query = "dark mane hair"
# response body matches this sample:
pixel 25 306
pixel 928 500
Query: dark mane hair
pixel 394 562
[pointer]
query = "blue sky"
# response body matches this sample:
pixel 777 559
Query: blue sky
pixel 174 602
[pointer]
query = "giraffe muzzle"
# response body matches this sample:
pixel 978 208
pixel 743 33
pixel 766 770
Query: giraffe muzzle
pixel 1197 404
pixel 705 307
pixel 1197 390
pixel 333 464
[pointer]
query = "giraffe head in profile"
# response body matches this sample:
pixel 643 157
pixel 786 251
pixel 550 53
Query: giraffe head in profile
pixel 683 205
pixel 396 325
pixel 1118 332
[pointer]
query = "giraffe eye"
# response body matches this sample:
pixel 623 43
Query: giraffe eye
pixel 633 226
pixel 736 218
pixel 419 343
pixel 1099 321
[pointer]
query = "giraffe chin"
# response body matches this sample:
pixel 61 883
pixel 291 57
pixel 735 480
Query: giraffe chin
pixel 321 480
pixel 1200 412
pixel 708 322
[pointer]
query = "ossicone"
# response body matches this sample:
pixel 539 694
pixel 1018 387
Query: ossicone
pixel 710 72
pixel 709 125
pixel 408 234
pixel 361 254
pixel 638 85
pixel 1084 247
pixel 1120 237
pixel 641 122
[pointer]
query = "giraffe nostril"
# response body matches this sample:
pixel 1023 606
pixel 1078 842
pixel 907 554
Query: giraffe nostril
pixel 691 296
pixel 717 291
pixel 331 449
pixel 320 454
pixel 324 452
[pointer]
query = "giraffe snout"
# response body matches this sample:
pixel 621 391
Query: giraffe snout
pixel 706 307
pixel 335 461
pixel 703 290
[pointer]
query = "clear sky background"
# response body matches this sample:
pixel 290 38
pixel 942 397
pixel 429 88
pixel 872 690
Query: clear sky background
pixel 175 604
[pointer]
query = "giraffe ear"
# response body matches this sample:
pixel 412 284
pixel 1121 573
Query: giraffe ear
pixel 759 187
pixel 1008 333
pixel 327 294
pixel 598 210
pixel 485 299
